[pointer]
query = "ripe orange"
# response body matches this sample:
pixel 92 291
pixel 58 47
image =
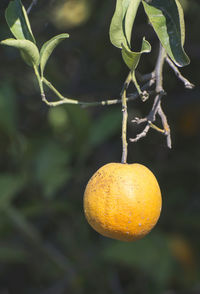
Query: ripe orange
pixel 122 201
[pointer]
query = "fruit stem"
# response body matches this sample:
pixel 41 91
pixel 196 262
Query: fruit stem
pixel 125 118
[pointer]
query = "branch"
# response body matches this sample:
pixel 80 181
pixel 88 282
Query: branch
pixel 34 2
pixel 142 134
pixel 125 118
pixel 65 100
pixel 165 125
pixel 150 80
pixel 146 77
pixel 186 82
pixel 156 108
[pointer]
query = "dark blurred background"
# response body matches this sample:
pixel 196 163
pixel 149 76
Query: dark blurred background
pixel 48 155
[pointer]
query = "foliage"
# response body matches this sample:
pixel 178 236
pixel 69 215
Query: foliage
pixel 46 245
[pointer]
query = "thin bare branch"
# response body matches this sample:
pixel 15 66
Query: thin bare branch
pixel 34 2
pixel 186 82
pixel 144 88
pixel 139 121
pixel 125 118
pixel 156 108
pixel 145 77
pixel 126 83
pixel 153 126
pixel 165 125
pixel 141 135
pixel 65 100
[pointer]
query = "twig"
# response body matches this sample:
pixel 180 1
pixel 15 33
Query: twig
pixel 34 2
pixel 157 128
pixel 124 99
pixel 125 118
pixel 156 108
pixel 142 134
pixel 159 69
pixel 165 125
pixel 146 77
pixel 149 119
pixel 186 82
pixel 65 100
pixel 159 87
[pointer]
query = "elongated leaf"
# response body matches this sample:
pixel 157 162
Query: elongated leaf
pixel 167 20
pixel 132 58
pixel 182 22
pixel 117 34
pixel 122 22
pixel 130 18
pixel 28 49
pixel 18 22
pixel 48 48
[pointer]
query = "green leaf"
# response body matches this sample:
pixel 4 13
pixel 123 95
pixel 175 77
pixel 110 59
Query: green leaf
pixel 130 18
pixel 28 50
pixel 121 30
pixel 117 34
pixel 48 48
pixel 182 22
pixel 122 22
pixel 132 58
pixel 167 20
pixel 18 22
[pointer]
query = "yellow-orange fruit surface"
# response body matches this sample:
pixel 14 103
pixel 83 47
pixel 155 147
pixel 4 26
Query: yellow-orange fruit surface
pixel 123 201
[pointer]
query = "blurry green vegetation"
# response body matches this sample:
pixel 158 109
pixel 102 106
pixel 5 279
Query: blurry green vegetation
pixel 70 14
pixel 47 156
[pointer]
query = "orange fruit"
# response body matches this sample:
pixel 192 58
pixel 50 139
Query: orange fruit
pixel 122 201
